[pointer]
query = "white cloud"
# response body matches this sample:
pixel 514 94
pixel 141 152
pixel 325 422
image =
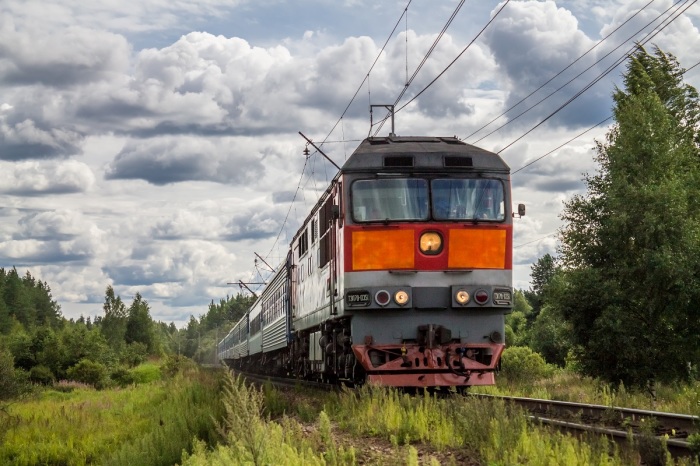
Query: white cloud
pixel 45 177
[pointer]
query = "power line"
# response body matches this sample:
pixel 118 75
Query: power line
pixel 535 240
pixel 617 62
pixel 420 66
pixel 560 73
pixel 456 58
pixel 601 76
pixel 559 147
pixel 291 204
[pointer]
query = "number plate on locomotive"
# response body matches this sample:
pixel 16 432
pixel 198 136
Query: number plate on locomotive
pixel 501 297
pixel 357 298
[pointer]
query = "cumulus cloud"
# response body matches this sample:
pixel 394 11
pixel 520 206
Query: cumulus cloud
pixel 180 270
pixel 187 224
pixel 45 177
pixel 65 58
pixel 26 138
pixel 167 160
pixel 52 236
pixel 534 41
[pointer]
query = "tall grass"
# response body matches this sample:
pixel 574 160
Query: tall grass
pixel 567 386
pixel 142 424
pixel 490 432
pixel 253 438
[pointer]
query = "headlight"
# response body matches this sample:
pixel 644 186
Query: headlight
pixel 462 297
pixel 430 243
pixel 401 297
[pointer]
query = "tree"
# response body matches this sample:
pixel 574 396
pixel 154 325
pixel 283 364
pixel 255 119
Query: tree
pixel 113 325
pixel 139 326
pixel 542 273
pixel 630 246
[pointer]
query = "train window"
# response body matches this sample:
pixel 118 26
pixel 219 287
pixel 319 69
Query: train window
pixel 468 199
pixel 389 199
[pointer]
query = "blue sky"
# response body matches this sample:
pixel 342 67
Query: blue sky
pixel 154 146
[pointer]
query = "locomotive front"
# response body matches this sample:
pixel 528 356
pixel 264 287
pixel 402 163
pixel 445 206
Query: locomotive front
pixel 426 260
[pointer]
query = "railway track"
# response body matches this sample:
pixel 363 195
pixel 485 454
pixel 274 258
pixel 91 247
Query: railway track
pixel 620 424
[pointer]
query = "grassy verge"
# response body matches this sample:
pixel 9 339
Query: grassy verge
pixel 567 386
pixel 264 426
pixel 149 423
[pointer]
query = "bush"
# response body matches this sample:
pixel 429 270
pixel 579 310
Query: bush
pixel 134 354
pixel 520 363
pixel 122 376
pixel 89 372
pixel 12 382
pixel 41 375
pixel 175 364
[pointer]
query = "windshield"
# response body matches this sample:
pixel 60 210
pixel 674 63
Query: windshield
pixel 467 199
pixel 390 199
pixel 407 199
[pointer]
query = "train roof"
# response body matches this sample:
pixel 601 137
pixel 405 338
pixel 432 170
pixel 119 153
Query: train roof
pixel 421 154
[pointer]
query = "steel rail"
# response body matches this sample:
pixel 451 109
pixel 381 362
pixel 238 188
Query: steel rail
pixel 621 424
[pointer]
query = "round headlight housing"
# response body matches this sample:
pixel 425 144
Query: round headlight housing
pixel 430 243
pixel 462 297
pixel 382 297
pixel 401 297
pixel 481 297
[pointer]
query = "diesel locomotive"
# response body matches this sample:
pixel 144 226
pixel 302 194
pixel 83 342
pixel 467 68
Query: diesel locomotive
pixel 400 275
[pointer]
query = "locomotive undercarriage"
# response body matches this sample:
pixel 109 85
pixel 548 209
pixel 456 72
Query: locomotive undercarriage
pixel 327 354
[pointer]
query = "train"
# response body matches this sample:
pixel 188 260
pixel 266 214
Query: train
pixel 401 274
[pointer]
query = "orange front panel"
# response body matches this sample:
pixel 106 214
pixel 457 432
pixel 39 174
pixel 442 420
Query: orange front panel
pixel 382 250
pixel 477 249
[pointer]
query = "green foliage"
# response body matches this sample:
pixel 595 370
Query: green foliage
pixel 122 377
pixel 520 363
pixel 541 275
pixel 694 441
pixel 12 381
pixel 175 364
pixel 134 353
pixel 113 325
pixel 516 329
pixel 146 373
pixel 148 424
pixel 630 245
pixel 41 375
pixel 27 301
pixel 88 372
pixel 139 325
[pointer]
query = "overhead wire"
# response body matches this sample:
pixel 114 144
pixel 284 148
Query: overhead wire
pixel 455 59
pixel 560 72
pixel 366 78
pixel 649 36
pixel 409 81
pixel 602 75
pixel 622 58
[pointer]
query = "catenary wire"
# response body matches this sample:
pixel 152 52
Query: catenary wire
pixel 409 81
pixel 617 62
pixel 599 77
pixel 560 72
pixel 455 59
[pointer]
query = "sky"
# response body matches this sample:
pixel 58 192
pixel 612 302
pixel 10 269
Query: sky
pixel 155 147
